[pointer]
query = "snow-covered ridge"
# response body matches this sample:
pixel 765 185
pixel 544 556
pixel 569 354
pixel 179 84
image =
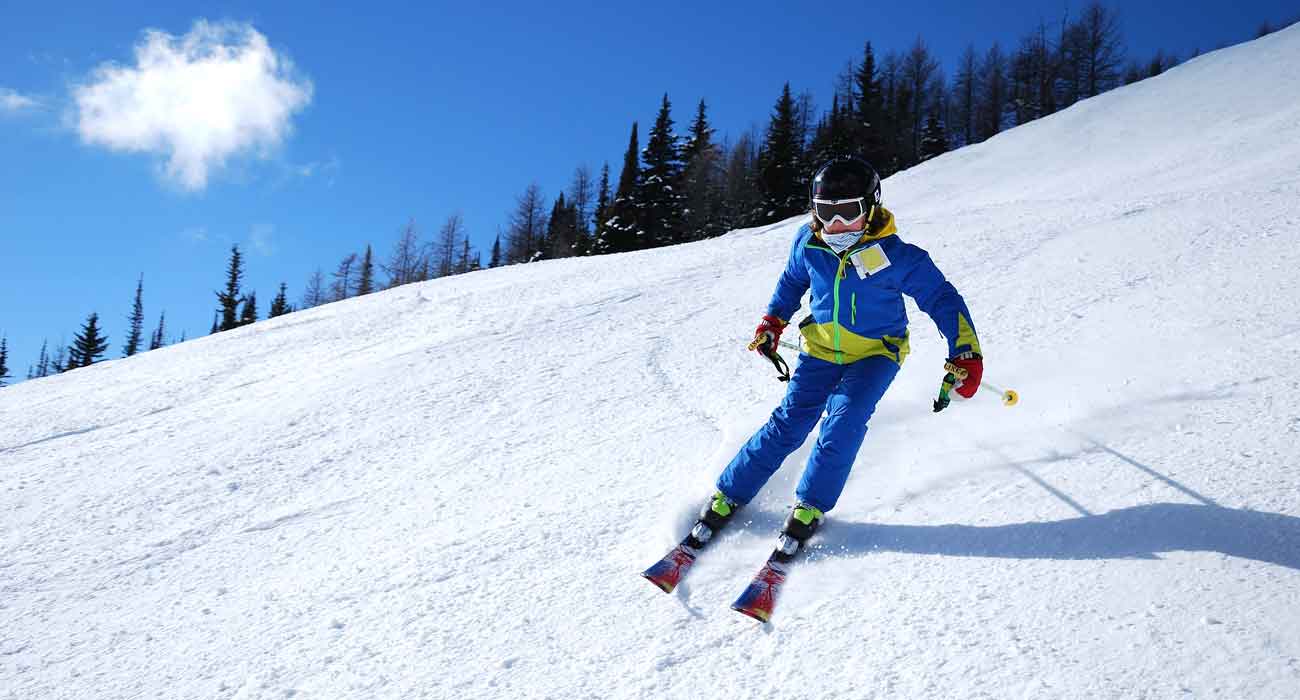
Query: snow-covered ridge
pixel 448 489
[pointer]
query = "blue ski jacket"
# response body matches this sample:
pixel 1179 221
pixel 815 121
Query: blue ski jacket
pixel 856 301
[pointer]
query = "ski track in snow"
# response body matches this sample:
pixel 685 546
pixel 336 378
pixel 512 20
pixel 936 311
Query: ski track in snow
pixel 447 490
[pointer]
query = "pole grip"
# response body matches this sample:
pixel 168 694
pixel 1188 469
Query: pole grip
pixel 1010 397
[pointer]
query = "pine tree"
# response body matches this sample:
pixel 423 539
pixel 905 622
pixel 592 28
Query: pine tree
pixel 805 122
pixel 603 196
pixel 59 363
pixel 280 304
pixel 934 141
pixel 1133 73
pixel 365 285
pixel 449 237
pixel 157 340
pixel 249 314
pixel 902 113
pixel 230 298
pixel 835 135
pixel 408 260
pixel 819 148
pixel 73 360
pixel 869 129
pixel 526 236
pixel 889 72
pixel 700 136
pixel 924 85
pixel 495 260
pixel 43 362
pixel 619 230
pixel 216 322
pixel 136 321
pixel 992 97
pixel 466 263
pixel 4 361
pixel 580 196
pixel 660 195
pixel 964 88
pixel 702 180
pixel 581 192
pixel 1098 49
pixel 561 229
pixel 314 294
pixel 88 345
pixel 1160 63
pixel 1035 70
pixel 782 177
pixel 743 199
pixel 342 287
pixel 598 216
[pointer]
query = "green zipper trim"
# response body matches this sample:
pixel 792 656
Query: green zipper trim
pixel 835 316
pixel 853 302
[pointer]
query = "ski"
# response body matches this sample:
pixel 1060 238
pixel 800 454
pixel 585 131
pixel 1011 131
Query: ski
pixel 759 598
pixel 668 572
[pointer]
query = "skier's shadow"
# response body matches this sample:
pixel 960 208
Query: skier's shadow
pixel 1139 532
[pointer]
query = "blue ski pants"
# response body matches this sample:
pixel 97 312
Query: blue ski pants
pixel 848 395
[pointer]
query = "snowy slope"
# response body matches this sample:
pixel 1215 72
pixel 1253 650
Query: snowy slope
pixel 448 490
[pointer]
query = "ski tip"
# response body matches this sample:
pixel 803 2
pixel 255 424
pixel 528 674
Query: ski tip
pixel 665 586
pixel 759 614
pixel 668 572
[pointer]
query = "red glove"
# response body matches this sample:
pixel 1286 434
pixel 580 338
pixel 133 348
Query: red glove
pixel 768 333
pixel 974 366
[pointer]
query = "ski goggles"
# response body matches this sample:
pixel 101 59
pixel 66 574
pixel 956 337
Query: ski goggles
pixel 846 211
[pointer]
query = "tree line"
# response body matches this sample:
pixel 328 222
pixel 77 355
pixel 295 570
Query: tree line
pixel 895 111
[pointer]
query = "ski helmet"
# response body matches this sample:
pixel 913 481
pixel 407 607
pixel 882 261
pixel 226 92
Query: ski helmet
pixel 847 177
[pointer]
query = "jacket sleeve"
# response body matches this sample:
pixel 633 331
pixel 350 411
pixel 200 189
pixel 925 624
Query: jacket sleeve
pixel 936 296
pixel 792 284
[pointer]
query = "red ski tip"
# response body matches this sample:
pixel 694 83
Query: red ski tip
pixel 663 585
pixel 668 572
pixel 761 615
pixel 759 599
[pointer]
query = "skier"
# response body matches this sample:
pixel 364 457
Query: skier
pixel 855 341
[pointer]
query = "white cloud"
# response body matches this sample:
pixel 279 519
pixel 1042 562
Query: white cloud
pixel 195 100
pixel 325 169
pixel 260 237
pixel 12 102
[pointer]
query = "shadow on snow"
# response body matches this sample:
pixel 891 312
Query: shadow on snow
pixel 1136 532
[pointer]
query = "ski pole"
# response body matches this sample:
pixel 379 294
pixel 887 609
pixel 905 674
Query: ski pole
pixel 1010 397
pixel 766 349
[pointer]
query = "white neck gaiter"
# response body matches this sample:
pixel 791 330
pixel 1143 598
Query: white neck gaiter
pixel 840 242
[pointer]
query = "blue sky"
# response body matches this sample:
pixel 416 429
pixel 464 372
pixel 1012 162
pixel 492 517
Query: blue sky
pixel 392 112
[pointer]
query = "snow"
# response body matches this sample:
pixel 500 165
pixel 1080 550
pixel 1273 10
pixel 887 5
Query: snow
pixel 448 490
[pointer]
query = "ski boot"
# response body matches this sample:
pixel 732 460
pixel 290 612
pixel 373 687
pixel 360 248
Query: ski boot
pixel 713 517
pixel 799 526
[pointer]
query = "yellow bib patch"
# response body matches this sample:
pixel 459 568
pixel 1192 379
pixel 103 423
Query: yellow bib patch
pixel 870 261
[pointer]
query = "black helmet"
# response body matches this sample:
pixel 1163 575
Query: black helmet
pixel 847 177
